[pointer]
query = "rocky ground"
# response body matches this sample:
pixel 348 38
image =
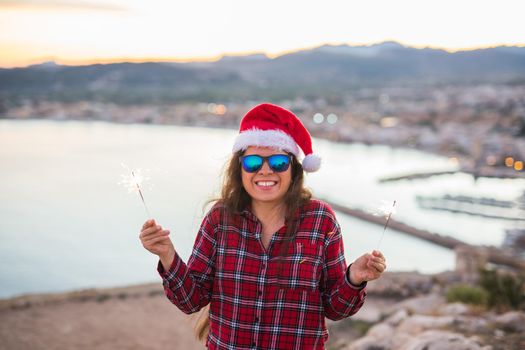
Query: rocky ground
pixel 402 311
pixel 414 315
pixel 429 323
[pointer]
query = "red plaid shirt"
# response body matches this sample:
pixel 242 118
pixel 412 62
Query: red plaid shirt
pixel 252 305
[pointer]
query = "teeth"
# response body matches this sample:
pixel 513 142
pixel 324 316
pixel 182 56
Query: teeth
pixel 266 183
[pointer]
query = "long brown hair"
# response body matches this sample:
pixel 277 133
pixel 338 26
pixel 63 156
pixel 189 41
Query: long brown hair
pixel 235 199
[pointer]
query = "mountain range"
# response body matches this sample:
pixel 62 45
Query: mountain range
pixel 321 71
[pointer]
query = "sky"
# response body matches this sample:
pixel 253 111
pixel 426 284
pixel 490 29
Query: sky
pixel 89 31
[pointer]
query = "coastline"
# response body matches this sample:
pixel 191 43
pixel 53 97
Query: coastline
pixel 492 254
pixel 131 317
pixel 465 165
pixel 401 309
pixel 140 316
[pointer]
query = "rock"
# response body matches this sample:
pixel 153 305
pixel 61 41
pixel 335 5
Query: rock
pixel 512 321
pixel 399 340
pixel 427 304
pixel 454 309
pixel 381 331
pixel 469 260
pixel 476 338
pixel 401 284
pixel 441 340
pixel 472 324
pixel 397 317
pixel 498 333
pixel 377 338
pixel 418 323
pixel 369 343
pixel 373 310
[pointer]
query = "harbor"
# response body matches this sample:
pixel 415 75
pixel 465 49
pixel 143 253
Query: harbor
pixel 492 254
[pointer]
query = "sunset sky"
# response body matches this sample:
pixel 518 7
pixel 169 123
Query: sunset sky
pixel 86 31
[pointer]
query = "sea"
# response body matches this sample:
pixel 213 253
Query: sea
pixel 68 220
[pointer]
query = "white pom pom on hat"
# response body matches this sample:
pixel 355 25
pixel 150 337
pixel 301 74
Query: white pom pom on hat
pixel 269 125
pixel 311 163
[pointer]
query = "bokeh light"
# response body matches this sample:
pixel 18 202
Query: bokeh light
pixel 331 118
pixel 318 118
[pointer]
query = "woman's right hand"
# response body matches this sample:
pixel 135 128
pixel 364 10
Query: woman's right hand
pixel 158 242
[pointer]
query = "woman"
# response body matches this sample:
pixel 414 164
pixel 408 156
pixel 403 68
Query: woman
pixel 268 259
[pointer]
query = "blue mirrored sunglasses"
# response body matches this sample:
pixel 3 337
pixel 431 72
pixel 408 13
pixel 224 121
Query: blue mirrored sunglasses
pixel 277 162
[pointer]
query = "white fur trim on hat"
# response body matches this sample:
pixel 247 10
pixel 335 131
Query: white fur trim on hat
pixel 266 138
pixel 311 163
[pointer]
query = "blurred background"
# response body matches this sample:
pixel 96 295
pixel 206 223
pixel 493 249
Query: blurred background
pixel 417 102
pixel 421 103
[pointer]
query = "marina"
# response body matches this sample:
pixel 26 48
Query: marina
pixel 493 254
pixel 479 206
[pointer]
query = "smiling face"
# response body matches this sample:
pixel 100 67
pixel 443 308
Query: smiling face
pixel 265 185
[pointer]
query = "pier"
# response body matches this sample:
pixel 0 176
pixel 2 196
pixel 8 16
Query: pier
pixel 484 207
pixel 491 172
pixel 493 254
pixel 417 176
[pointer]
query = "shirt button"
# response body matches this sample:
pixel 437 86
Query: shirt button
pixel 263 266
pixel 257 320
pixel 260 293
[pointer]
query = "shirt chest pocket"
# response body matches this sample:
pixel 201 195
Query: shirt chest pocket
pixel 301 267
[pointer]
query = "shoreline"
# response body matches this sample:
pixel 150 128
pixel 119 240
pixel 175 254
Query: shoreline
pixel 137 316
pixel 140 316
pixel 463 167
pixel 491 254
pixel 400 308
pixel 101 294
pixel 26 300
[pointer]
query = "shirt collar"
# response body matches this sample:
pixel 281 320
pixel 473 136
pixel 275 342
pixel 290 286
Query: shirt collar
pixel 247 212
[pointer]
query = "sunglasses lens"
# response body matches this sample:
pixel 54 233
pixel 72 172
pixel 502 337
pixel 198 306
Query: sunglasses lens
pixel 252 163
pixel 279 162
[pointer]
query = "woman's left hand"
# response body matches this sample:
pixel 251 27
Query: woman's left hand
pixel 367 267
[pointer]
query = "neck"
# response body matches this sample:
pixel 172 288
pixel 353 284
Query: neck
pixel 269 211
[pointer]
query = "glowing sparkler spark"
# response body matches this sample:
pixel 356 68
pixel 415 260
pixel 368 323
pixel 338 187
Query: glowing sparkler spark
pixel 383 209
pixel 132 183
pixel 141 196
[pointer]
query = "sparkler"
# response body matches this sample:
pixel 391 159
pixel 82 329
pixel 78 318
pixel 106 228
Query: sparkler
pixel 384 210
pixel 132 183
pixel 142 197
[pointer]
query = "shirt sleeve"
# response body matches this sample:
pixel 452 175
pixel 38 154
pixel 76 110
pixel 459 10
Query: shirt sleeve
pixel 189 286
pixel 340 297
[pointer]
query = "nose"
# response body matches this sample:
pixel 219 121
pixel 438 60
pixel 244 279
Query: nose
pixel 265 169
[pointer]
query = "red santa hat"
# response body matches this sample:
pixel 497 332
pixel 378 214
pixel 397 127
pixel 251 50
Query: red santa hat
pixel 268 125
